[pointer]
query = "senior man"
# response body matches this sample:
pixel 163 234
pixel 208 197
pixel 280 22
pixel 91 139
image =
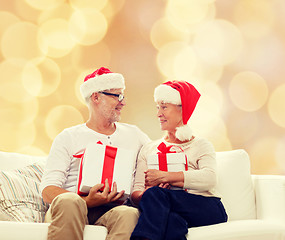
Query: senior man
pixel 68 212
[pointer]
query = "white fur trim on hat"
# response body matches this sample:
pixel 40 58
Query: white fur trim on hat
pixel 167 94
pixel 102 82
pixel 183 133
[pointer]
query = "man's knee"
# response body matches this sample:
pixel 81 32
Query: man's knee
pixel 69 201
pixel 125 213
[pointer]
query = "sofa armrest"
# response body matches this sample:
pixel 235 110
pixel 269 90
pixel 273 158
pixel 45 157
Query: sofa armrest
pixel 270 197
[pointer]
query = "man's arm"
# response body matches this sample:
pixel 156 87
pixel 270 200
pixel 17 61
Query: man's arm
pixel 94 198
pixel 50 192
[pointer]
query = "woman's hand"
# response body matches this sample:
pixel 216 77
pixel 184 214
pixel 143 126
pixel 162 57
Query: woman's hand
pixel 164 185
pixel 154 177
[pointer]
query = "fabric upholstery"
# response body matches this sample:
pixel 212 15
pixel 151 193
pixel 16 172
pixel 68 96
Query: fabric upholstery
pixel 235 184
pixel 20 199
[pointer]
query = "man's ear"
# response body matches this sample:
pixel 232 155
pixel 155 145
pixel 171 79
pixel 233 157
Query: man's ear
pixel 95 97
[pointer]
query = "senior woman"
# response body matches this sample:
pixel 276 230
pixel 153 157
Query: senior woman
pixel 172 202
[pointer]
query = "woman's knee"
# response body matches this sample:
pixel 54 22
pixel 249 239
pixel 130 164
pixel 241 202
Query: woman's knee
pixel 154 192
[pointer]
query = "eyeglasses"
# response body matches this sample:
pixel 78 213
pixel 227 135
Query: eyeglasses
pixel 119 96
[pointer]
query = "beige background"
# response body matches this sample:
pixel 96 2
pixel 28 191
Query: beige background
pixel 233 51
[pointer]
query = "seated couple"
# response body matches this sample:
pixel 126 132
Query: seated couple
pixel 163 205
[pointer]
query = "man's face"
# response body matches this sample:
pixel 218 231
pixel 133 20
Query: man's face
pixel 110 105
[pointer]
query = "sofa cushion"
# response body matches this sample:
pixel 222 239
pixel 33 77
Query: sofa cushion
pixel 11 160
pixel 20 199
pixel 239 230
pixel 235 184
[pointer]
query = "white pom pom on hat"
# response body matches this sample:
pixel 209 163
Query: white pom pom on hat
pixel 100 80
pixel 179 93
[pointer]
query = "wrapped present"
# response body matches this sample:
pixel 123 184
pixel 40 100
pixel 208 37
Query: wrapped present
pixel 100 162
pixel 167 159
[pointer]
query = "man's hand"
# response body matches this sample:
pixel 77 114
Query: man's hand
pixel 97 198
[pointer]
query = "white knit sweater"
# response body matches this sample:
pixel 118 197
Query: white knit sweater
pixel 200 178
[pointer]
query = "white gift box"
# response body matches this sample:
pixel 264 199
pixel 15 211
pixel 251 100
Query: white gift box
pixel 100 162
pixel 175 161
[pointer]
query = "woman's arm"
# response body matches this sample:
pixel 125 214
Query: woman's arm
pixel 155 177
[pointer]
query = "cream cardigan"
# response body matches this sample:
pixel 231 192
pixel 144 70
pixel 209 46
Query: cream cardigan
pixel 200 178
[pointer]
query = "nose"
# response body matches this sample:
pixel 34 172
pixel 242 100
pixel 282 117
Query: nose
pixel 158 114
pixel 123 102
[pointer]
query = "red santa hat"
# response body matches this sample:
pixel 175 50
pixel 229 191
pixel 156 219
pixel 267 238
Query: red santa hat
pixel 100 80
pixel 179 93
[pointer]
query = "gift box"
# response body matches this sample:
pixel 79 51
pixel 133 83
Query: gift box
pixel 168 158
pixel 170 162
pixel 100 162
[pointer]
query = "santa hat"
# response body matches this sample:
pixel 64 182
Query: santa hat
pixel 179 93
pixel 100 80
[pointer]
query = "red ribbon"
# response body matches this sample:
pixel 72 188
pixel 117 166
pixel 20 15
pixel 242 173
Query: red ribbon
pixel 80 172
pixel 108 165
pixel 162 160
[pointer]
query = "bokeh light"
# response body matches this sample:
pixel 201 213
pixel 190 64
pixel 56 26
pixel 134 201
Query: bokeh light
pixel 31 79
pixel 62 11
pixel 86 57
pixel 80 4
pixel 280 154
pixel 12 89
pixel 166 58
pixel 61 117
pixel 218 42
pixel 45 76
pixel 81 26
pixel 263 155
pixel 7 19
pixel 185 13
pixel 44 4
pixel 19 41
pixel 248 91
pixel 16 136
pixel 255 14
pixel 276 106
pixel 232 51
pixel 163 32
pixel 185 63
pixel 54 38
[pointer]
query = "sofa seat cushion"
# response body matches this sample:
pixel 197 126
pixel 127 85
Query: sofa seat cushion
pixel 239 230
pixel 20 199
pixel 38 231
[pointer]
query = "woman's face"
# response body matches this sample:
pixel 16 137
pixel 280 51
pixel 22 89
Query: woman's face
pixel 169 115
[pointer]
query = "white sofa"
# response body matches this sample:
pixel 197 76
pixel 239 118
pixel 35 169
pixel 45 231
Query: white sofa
pixel 255 203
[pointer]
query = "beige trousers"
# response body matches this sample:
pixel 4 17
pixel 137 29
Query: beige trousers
pixel 68 217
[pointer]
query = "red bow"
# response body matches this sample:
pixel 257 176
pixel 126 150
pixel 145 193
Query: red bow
pixel 163 149
pixel 162 161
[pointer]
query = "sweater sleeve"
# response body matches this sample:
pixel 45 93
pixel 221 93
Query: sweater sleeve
pixel 201 174
pixel 58 163
pixel 139 182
